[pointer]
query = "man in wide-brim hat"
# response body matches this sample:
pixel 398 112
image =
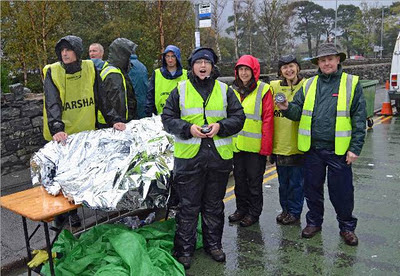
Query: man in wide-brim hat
pixel 331 110
pixel 328 49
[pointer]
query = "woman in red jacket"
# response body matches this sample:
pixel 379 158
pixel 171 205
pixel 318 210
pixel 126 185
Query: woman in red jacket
pixel 254 143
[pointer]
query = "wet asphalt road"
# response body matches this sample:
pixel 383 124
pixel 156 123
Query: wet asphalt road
pixel 267 248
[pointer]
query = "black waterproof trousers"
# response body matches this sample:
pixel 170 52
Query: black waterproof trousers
pixel 203 193
pixel 248 170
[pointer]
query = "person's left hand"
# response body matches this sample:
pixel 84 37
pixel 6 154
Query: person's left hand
pixel 351 157
pixel 119 126
pixel 214 130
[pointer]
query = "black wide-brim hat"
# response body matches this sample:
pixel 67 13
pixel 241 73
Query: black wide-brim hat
pixel 328 49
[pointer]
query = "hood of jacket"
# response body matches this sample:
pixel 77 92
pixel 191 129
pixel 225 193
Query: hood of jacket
pixel 76 45
pixel 177 53
pixel 250 62
pixel 119 53
pixel 133 57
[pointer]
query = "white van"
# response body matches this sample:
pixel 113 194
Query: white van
pixel 394 87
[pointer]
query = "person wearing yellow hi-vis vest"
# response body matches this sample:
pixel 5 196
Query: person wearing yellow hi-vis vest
pixel 331 110
pixel 203 114
pixel 253 143
pixel 118 90
pixel 164 80
pixel 72 94
pixel 288 158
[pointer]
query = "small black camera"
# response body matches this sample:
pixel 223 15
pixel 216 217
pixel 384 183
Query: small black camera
pixel 205 129
pixel 280 98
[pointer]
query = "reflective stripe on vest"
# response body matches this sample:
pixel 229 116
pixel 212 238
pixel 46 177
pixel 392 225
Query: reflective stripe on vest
pixel 191 106
pixel 343 128
pixel 163 87
pixel 249 138
pixel 77 98
pixel 103 74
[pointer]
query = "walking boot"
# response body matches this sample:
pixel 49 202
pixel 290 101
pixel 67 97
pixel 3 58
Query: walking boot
pixel 236 216
pixel 248 220
pixel 281 216
pixel 185 261
pixel 310 231
pixel 290 219
pixel 217 254
pixel 349 238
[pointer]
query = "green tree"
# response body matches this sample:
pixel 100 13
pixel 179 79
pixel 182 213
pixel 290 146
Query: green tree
pixel 366 29
pixel 103 21
pixel 323 26
pixel 308 15
pixel 274 26
pixel 391 28
pixel 227 49
pixel 238 25
pixel 347 15
pixel 29 30
pixel 245 29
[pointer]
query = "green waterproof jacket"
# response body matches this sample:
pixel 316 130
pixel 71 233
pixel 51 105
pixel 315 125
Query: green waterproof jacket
pixel 324 114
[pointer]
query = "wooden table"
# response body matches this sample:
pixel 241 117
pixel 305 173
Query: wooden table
pixel 37 205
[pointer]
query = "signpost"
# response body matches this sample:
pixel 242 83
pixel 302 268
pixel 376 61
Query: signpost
pixel 205 15
pixel 203 20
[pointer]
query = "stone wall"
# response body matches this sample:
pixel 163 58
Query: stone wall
pixel 379 72
pixel 21 128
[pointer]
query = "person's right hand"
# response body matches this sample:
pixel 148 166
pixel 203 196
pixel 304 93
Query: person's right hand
pixel 283 106
pixel 196 132
pixel 60 137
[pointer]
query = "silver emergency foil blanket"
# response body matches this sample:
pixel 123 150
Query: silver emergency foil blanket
pixel 108 169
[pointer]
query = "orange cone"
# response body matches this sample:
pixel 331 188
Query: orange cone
pixel 387 105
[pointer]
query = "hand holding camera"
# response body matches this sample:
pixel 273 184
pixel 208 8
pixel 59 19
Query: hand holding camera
pixel 205 131
pixel 281 101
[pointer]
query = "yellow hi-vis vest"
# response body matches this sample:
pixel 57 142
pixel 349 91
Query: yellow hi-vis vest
pixel 285 130
pixel 104 73
pixel 77 98
pixel 249 138
pixel 163 87
pixel 343 126
pixel 191 105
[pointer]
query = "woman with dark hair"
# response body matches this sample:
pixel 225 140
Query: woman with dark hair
pixel 253 144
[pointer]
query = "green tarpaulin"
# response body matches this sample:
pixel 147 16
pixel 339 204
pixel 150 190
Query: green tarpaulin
pixel 113 249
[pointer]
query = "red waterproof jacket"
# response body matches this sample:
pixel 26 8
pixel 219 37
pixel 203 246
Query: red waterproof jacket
pixel 267 104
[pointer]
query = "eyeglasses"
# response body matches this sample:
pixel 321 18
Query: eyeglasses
pixel 200 61
pixel 170 57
